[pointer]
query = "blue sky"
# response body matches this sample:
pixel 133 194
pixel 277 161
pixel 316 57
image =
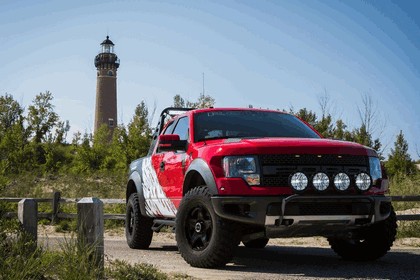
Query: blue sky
pixel 271 54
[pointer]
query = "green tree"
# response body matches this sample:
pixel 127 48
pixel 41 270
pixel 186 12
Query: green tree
pixel 116 159
pixel 10 113
pixel 62 128
pixel 306 115
pixel 204 101
pixel 41 120
pixel 341 132
pixel 325 126
pixel 362 136
pixel 84 160
pixel 41 116
pixel 139 133
pixel 13 136
pixel 399 160
pixel 179 102
pixel 90 155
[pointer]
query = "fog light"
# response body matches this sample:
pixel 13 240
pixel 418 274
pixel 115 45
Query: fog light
pixel 252 179
pixel 321 181
pixel 363 181
pixel 299 181
pixel 341 181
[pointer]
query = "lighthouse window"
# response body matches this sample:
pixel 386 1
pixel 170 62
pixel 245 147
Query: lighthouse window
pixel 110 73
pixel 111 122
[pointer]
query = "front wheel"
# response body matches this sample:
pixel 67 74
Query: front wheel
pixel 138 228
pixel 370 243
pixel 204 239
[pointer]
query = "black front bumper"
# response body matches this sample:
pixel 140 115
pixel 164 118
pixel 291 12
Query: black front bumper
pixel 295 213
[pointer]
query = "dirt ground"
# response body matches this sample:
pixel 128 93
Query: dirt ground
pixel 162 237
pixel 287 258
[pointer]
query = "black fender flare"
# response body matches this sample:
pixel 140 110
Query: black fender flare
pixel 201 167
pixel 135 177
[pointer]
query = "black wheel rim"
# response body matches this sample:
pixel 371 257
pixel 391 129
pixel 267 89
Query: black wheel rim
pixel 130 220
pixel 198 228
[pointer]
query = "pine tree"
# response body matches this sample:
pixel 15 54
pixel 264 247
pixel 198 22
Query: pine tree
pixel 179 102
pixel 139 133
pixel 399 161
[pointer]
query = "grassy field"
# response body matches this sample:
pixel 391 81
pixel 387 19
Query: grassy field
pixel 406 186
pixel 22 259
pixel 113 186
pixel 73 262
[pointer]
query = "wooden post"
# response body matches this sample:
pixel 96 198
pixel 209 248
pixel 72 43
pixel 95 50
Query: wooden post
pixel 55 206
pixel 90 225
pixel 28 217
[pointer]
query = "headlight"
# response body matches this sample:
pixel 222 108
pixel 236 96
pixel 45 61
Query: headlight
pixel 321 181
pixel 298 181
pixel 363 181
pixel 375 168
pixel 245 167
pixel 341 181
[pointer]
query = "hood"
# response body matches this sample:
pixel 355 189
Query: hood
pixel 237 146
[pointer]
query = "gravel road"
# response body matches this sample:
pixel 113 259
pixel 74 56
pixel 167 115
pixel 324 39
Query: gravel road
pixel 276 262
pixel 293 259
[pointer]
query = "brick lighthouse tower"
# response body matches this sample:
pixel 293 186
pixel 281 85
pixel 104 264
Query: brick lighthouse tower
pixel 106 63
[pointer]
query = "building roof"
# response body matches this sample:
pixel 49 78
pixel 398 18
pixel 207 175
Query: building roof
pixel 107 41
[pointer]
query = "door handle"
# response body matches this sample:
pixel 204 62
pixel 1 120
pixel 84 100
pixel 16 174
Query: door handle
pixel 162 166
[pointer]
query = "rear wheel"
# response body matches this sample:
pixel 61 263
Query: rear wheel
pixel 138 228
pixel 370 243
pixel 256 243
pixel 204 239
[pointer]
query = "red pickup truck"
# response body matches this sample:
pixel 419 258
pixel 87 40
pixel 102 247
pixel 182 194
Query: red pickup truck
pixel 221 176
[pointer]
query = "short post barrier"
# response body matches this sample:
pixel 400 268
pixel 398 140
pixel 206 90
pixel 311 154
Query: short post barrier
pixel 90 225
pixel 28 217
pixel 55 206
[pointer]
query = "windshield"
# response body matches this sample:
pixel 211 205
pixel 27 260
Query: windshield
pixel 248 124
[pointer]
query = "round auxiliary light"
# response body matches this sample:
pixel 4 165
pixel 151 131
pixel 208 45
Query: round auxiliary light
pixel 341 181
pixel 321 181
pixel 299 181
pixel 363 181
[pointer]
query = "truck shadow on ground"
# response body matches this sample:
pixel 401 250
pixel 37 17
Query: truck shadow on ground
pixel 323 263
pixel 164 248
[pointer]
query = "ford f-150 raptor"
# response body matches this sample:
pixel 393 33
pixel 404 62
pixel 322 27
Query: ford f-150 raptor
pixel 224 176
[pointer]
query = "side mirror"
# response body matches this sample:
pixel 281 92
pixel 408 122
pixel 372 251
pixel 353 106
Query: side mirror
pixel 171 142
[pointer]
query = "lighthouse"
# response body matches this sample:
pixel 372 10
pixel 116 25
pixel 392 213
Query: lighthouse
pixel 106 63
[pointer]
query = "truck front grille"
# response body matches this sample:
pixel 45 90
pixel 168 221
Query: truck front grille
pixel 314 160
pixel 276 169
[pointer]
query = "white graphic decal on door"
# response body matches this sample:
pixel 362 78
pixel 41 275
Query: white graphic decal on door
pixel 157 203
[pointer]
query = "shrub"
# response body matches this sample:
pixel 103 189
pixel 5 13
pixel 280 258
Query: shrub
pixel 122 270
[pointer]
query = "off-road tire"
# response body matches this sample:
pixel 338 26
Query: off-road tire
pixel 138 228
pixel 373 242
pixel 204 239
pixel 256 243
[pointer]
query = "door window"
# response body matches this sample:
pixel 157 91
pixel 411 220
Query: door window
pixel 181 128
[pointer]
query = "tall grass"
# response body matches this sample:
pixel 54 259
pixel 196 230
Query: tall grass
pixel 122 270
pixel 70 185
pixel 406 185
pixel 20 258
